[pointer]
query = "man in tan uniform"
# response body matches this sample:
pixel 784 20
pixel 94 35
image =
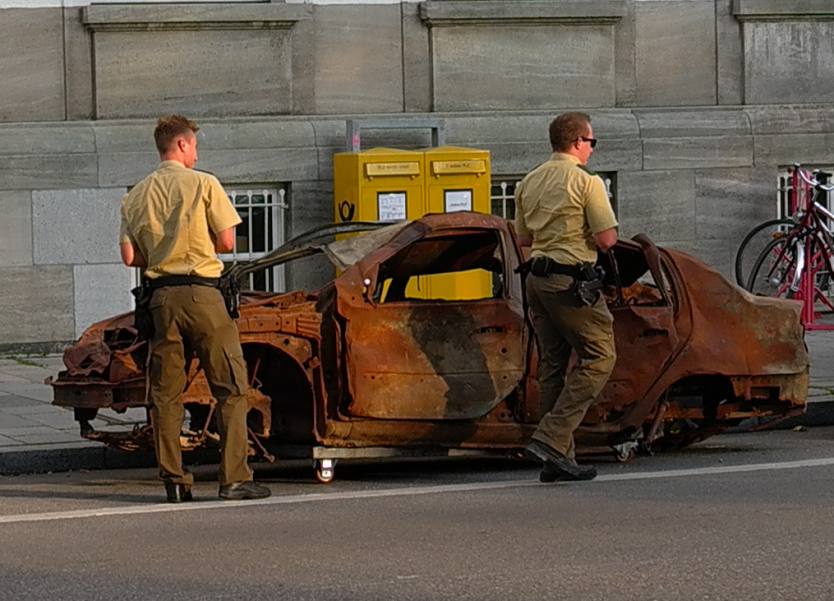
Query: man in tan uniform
pixel 563 213
pixel 173 224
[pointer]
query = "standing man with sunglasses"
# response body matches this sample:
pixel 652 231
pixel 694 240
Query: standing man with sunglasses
pixel 563 213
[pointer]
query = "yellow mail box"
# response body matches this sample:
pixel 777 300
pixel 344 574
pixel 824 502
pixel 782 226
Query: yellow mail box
pixel 382 184
pixel 458 179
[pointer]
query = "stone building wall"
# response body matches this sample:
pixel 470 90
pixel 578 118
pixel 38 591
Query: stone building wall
pixel 697 103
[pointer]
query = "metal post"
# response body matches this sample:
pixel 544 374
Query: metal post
pixel 354 127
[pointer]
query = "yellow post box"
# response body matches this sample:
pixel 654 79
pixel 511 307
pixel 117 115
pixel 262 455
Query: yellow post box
pixel 381 184
pixel 458 179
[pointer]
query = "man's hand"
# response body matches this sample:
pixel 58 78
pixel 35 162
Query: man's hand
pixel 131 255
pixel 606 239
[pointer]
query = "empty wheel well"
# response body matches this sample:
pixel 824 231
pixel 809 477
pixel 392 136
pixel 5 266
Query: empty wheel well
pixel 689 412
pixel 701 392
pixel 279 376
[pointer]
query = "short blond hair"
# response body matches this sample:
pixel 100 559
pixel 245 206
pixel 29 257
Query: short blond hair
pixel 171 127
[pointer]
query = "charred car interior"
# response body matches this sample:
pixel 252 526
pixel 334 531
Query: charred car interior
pixel 421 346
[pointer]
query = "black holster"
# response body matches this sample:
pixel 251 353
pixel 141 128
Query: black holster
pixel 586 287
pixel 230 289
pixel 142 318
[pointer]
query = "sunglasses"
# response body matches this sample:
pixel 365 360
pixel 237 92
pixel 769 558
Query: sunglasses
pixel 592 141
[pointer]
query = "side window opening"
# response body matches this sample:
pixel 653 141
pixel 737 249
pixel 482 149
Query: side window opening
pixel 638 285
pixel 460 265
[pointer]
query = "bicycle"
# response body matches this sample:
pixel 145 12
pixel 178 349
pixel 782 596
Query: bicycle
pixel 798 264
pixel 754 242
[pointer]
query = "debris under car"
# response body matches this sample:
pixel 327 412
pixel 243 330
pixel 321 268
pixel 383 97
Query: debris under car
pixel 421 346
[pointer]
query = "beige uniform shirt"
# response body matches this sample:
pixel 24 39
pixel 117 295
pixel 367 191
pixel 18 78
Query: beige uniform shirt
pixel 169 215
pixel 561 206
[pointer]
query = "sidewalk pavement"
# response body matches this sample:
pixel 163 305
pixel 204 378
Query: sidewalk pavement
pixel 36 436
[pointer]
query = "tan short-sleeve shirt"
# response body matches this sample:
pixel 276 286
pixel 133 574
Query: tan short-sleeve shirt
pixel 561 206
pixel 173 216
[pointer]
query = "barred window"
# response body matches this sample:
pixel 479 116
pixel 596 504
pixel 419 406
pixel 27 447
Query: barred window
pixel 262 210
pixel 502 195
pixel 785 201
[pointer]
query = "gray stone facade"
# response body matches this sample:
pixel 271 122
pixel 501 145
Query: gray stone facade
pixel 697 105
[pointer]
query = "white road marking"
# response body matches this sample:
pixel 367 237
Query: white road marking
pixel 404 492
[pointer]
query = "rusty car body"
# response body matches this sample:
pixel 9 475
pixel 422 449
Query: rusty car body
pixel 363 368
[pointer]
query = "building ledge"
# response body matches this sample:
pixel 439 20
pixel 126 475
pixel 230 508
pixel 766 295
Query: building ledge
pixel 150 17
pixel 522 12
pixel 783 10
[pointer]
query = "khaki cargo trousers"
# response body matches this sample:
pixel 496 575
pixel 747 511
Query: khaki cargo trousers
pixel 563 324
pixel 193 319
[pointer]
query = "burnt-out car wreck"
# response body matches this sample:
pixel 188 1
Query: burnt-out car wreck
pixel 421 346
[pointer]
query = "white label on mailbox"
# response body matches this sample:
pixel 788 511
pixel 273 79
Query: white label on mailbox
pixel 457 200
pixel 391 206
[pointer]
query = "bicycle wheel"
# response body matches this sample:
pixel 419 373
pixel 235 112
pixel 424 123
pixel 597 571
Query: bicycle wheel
pixel 773 271
pixel 753 244
pixel 821 263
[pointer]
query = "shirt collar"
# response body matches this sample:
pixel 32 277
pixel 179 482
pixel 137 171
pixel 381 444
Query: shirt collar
pixel 561 156
pixel 171 165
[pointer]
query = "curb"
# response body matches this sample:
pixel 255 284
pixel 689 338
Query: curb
pixel 74 458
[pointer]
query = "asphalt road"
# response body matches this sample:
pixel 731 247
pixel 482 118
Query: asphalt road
pixel 744 516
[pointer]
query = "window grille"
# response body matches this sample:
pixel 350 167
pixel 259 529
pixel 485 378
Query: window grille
pixel 784 192
pixel 503 194
pixel 262 231
pixel 503 197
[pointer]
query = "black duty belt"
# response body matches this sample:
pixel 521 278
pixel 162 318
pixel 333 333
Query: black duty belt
pixel 181 280
pixel 546 266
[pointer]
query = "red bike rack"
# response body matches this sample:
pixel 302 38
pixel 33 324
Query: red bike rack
pixel 809 293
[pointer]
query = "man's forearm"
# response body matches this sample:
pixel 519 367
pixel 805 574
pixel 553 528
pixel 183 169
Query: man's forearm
pixel 606 239
pixel 131 255
pixel 224 242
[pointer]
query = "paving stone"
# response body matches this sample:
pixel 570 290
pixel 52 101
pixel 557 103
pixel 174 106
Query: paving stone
pixel 10 378
pixel 30 409
pixel 56 437
pixel 31 430
pixel 60 419
pixel 11 403
pixel 11 423
pixel 30 390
